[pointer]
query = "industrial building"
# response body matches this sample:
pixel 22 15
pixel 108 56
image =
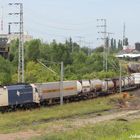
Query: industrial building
pixel 137 46
pixel 4 47
pixel 5 39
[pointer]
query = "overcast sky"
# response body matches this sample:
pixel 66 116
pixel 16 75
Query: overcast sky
pixel 60 19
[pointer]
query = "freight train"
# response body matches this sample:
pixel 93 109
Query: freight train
pixel 27 95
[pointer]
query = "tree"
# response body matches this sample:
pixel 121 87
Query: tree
pixel 99 49
pixel 14 51
pixel 33 50
pixel 69 44
pixel 36 73
pixel 113 45
pixel 120 45
pixel 45 52
pixel 125 42
pixel 6 71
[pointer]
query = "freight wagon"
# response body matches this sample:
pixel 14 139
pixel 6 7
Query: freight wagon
pixel 50 91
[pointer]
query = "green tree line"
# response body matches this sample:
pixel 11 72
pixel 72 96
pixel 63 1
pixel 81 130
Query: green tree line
pixel 78 62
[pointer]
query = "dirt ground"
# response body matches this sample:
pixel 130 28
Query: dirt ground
pixel 128 108
pixel 19 135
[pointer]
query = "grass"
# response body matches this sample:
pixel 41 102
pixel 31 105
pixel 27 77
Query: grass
pixel 113 130
pixel 36 119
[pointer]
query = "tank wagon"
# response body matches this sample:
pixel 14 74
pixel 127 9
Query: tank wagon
pixel 136 79
pixel 50 92
pixel 95 85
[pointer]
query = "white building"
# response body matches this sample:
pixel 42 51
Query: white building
pixel 128 55
pixel 11 37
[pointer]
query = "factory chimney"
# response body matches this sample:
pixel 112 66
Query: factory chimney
pixel 9 29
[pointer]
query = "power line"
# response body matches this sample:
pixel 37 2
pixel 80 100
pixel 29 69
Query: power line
pixel 82 23
pixel 45 32
pixel 21 40
pixel 40 30
pixel 55 27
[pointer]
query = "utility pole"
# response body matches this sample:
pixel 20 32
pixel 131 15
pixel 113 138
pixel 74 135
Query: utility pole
pixel 120 79
pixel 80 41
pixel 61 83
pixel 21 40
pixel 104 25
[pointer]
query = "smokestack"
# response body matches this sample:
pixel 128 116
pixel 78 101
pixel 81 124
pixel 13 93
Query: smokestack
pixel 9 29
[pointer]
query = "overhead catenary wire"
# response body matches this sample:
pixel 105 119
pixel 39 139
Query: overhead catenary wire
pixel 48 34
pixel 55 27
pixel 50 30
pixel 45 32
pixel 53 20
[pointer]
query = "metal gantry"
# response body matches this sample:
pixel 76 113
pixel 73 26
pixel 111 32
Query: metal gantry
pixel 104 25
pixel 106 39
pixel 21 41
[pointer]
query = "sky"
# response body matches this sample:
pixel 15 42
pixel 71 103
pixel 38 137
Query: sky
pixel 61 19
